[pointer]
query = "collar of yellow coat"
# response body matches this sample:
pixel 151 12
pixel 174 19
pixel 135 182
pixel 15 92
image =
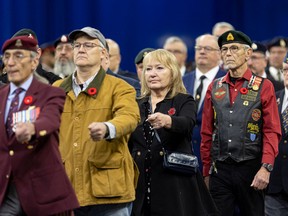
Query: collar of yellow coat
pixel 96 83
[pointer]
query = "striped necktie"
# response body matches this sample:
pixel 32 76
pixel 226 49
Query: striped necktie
pixel 285 119
pixel 13 108
pixel 199 91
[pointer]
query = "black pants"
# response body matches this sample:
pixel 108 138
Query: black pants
pixel 230 188
pixel 11 205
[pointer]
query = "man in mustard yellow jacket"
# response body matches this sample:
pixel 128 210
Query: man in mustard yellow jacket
pixel 99 114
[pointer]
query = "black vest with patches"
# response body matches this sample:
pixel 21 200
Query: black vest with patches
pixel 238 127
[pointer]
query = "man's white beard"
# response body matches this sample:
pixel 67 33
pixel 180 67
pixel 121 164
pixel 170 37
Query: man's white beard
pixel 64 69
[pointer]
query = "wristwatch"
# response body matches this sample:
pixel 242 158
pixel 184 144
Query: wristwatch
pixel 268 167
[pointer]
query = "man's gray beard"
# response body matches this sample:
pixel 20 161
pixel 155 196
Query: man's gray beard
pixel 64 69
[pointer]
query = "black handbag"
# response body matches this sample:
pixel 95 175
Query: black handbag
pixel 178 161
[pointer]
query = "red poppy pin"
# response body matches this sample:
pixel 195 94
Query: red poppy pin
pixel 171 111
pixel 92 91
pixel 28 100
pixel 243 90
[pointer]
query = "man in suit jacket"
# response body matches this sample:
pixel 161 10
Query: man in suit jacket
pixel 258 62
pixel 105 63
pixel 179 48
pixel 277 48
pixel 207 59
pixel 32 177
pixel 115 60
pixel 276 199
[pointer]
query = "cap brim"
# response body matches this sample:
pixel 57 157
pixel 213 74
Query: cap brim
pixel 77 31
pixel 74 33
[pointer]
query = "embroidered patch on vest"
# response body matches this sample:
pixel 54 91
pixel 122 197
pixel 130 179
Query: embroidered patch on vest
pixel 252 137
pixel 256 114
pixel 220 93
pixel 250 96
pixel 253 128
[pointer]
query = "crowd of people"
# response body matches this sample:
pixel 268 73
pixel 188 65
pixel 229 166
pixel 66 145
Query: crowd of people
pixel 81 136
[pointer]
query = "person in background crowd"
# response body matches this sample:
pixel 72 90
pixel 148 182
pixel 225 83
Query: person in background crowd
pixel 64 64
pixel 207 58
pixel 47 58
pixel 277 48
pixel 99 114
pixel 178 47
pixel 241 131
pixel 276 199
pixel 139 60
pixel 33 180
pixel 106 63
pixel 221 27
pixel 258 62
pixel 217 30
pixel 115 60
pixel 168 115
pixel 49 76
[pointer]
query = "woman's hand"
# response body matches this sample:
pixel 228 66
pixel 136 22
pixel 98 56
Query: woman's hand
pixel 159 120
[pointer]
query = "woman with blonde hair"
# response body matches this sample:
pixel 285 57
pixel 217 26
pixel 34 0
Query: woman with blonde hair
pixel 168 115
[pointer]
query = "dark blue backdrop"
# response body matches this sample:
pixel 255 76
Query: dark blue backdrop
pixel 139 24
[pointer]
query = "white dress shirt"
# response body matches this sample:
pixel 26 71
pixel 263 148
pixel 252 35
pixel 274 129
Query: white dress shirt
pixel 210 75
pixel 285 100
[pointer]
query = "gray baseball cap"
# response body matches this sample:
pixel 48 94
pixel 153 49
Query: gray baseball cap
pixel 92 32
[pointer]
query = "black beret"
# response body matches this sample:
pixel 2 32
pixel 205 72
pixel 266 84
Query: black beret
pixel 140 56
pixel 62 39
pixel 26 32
pixel 259 47
pixel 278 42
pixel 20 42
pixel 233 36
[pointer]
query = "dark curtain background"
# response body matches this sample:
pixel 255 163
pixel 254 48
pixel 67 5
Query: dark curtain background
pixel 137 24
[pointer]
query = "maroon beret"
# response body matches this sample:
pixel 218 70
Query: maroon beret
pixel 20 42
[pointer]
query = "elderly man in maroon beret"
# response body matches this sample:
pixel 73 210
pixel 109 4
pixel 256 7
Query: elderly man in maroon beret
pixel 32 177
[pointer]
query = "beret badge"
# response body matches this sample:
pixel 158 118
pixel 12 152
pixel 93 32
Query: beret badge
pixel 30 36
pixel 64 39
pixel 145 53
pixel 282 43
pixel 230 37
pixel 254 46
pixel 18 43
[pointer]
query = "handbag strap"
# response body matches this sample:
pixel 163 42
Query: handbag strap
pixel 155 131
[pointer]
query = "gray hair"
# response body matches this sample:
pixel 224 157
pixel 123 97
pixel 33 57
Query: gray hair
pixel 222 25
pixel 174 39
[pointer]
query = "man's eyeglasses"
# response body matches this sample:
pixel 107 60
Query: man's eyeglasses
pixel 205 48
pixel 86 45
pixel 233 49
pixel 17 57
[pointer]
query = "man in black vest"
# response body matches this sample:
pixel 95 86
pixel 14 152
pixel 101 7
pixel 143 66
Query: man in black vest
pixel 276 199
pixel 240 133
